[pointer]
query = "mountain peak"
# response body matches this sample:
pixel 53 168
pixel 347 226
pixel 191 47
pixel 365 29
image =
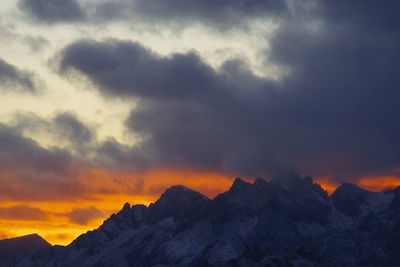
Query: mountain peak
pixel 19 247
pixel 178 189
pixel 179 192
pixel 26 238
pixel 349 186
pixel 348 198
pixel 126 206
pixel 239 184
pixel 177 201
pixel 251 224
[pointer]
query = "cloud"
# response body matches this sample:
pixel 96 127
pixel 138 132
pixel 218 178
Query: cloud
pixel 113 155
pixel 69 127
pixel 222 14
pixel 14 80
pixel 62 130
pixel 226 14
pixel 129 69
pixel 53 10
pixel 56 170
pixel 190 115
pixel 334 113
pixel 29 171
pixel 17 151
pixel 23 212
pixel 33 42
pixel 85 215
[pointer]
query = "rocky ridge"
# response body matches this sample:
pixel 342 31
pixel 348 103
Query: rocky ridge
pixel 283 222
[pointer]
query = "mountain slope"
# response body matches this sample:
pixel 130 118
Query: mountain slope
pixel 285 222
pixel 14 249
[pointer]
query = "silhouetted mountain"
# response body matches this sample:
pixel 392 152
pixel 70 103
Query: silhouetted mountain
pixel 285 222
pixel 349 198
pixel 14 249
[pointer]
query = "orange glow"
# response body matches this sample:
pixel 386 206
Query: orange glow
pixel 375 183
pixel 152 183
pixel 379 184
pixel 101 192
pixel 104 192
pixel 326 184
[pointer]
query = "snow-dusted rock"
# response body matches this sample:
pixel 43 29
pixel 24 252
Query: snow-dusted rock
pixel 289 221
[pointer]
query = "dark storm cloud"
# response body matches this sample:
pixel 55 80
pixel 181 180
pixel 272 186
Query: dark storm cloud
pixel 189 114
pixel 112 154
pixel 14 80
pixel 223 14
pixel 53 10
pixel 343 87
pixel 375 15
pixel 335 113
pixel 128 69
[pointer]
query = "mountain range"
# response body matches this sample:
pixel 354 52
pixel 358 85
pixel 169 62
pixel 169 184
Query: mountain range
pixel 289 221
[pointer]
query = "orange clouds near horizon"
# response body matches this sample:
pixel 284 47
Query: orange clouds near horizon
pixel 103 192
pixel 379 183
pixel 327 184
pixel 371 183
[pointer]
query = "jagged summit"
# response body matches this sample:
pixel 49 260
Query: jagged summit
pixel 348 198
pixel 126 206
pixel 176 202
pixel 349 187
pixel 292 222
pixel 239 183
pixel 178 193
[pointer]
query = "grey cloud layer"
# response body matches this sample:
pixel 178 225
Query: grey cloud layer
pixel 16 151
pixel 223 14
pixel 64 127
pixel 53 10
pixel 334 114
pixel 29 171
pixel 14 80
pixel 128 69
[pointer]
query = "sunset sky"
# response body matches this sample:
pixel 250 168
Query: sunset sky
pixel 107 102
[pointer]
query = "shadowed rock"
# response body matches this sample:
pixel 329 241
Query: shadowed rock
pixel 14 249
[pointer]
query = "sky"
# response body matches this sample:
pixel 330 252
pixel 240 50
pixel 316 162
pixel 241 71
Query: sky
pixel 106 102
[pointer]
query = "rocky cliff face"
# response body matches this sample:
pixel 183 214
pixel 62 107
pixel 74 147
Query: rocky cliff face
pixel 284 222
